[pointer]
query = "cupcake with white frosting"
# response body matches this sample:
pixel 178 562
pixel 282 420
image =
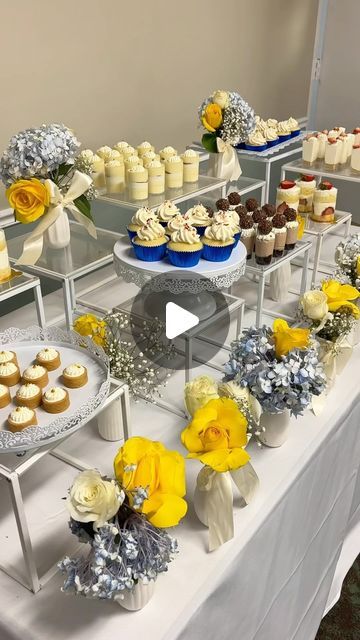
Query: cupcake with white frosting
pixel 55 400
pixel 9 374
pixel 191 160
pixel 37 374
pixel 283 130
pixel 174 172
pixel 21 418
pixel 138 220
pixel 271 136
pixel 75 376
pixel 200 218
pixel 150 242
pixel 28 395
pixel 177 222
pixel 256 141
pixel 231 218
pixel 294 126
pixel 5 397
pixel 218 242
pixel 185 247
pixel 48 358
pixel 166 211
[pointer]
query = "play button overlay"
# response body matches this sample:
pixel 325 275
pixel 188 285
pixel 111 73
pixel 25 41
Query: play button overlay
pixel 178 320
pixel 175 310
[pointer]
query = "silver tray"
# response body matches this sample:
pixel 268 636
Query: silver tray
pixel 84 402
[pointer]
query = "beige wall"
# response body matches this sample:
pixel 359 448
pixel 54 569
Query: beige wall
pixel 115 70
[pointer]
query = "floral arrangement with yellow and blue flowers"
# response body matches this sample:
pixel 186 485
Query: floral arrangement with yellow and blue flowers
pixel 331 311
pixel 226 116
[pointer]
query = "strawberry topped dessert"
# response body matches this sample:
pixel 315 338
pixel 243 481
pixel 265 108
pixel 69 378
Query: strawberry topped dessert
pixel 324 202
pixel 287 195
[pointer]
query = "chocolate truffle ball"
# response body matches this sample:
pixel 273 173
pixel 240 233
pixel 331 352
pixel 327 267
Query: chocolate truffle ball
pixel 290 214
pixel 269 209
pixel 265 226
pixel 234 198
pixel 222 204
pixel 258 215
pixel 210 211
pixel 246 222
pixel 241 209
pixel 251 204
pixel 279 221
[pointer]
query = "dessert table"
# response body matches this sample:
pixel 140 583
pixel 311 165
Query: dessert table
pixel 18 285
pixel 271 581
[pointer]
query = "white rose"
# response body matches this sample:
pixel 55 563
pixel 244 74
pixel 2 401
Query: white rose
pixel 199 392
pixel 241 394
pixel 92 499
pixel 221 98
pixel 314 304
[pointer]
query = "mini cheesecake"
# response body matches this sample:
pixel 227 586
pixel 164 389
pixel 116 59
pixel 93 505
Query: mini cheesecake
pixel 48 358
pixel 9 374
pixel 55 400
pixel 21 418
pixel 37 374
pixel 287 195
pixel 28 395
pixel 8 356
pixel 75 376
pixel 307 186
pixel 5 397
pixel 324 202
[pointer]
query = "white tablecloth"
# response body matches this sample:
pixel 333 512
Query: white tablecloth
pixel 271 582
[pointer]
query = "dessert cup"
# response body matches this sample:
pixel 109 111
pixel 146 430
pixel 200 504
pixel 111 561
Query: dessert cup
pixel 9 374
pixel 248 239
pixel 55 400
pixel 98 172
pixel 166 153
pixel 5 397
pixel 115 176
pixel 138 182
pixel 21 418
pixel 191 163
pixel 288 194
pixel 156 172
pixel 264 242
pixel 145 147
pixel 37 374
pixel 75 376
pixel 48 358
pixel 174 172
pixel 280 241
pixel 307 185
pixel 28 395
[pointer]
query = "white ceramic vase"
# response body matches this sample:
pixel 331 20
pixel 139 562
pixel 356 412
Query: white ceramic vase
pixel 138 597
pixel 215 165
pixel 280 283
pixel 58 235
pixel 110 422
pixel 276 428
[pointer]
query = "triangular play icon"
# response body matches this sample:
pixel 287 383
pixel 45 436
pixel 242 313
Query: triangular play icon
pixel 178 320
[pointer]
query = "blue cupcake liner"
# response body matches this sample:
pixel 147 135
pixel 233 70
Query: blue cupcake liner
pixel 149 254
pixel 241 145
pixel 217 254
pixel 272 143
pixel 295 133
pixel 253 147
pixel 131 234
pixel 284 137
pixel 184 258
pixel 236 238
pixel 163 224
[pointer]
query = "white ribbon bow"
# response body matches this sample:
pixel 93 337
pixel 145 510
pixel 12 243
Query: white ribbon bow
pixel 79 184
pixel 334 357
pixel 229 168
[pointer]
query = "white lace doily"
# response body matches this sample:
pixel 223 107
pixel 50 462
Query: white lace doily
pixel 58 426
pixel 211 275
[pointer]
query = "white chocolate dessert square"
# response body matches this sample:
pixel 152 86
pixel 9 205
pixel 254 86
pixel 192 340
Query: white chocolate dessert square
pixel 355 158
pixel 332 152
pixel 310 149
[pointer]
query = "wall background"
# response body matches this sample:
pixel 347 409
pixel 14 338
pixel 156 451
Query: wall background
pixel 112 70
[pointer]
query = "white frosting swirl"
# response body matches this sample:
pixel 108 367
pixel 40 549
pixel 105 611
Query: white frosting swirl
pixel 283 127
pixel 121 145
pixel 292 124
pixel 153 164
pixel 74 370
pixel 266 237
pixel 145 145
pixel 133 160
pixel 7 368
pixel 220 231
pixel 174 159
pixel 28 390
pixel 105 152
pixel 227 217
pixel 271 122
pixel 149 155
pixel 151 231
pixel 96 158
pixel 292 224
pixel 177 222
pixel 257 139
pixel 198 214
pixel 167 150
pixel 114 154
pixel 167 210
pixel 190 153
pixel 54 394
pixel 49 353
pixel 186 234
pixel 129 151
pixel 35 371
pixel 3 389
pixel 271 134
pixel 142 216
pixel 136 168
pixel 6 356
pixel 86 154
pixel 21 414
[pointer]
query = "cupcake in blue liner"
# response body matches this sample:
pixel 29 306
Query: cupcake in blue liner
pixel 150 242
pixel 199 217
pixel 231 218
pixel 176 223
pixel 138 220
pixel 294 127
pixel 166 212
pixel 271 136
pixel 185 247
pixel 283 131
pixel 218 242
pixel 256 141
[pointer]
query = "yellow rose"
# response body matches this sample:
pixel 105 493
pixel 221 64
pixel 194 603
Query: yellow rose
pixel 233 390
pixel 314 304
pixel 221 98
pixel 29 199
pixel 216 436
pixel 143 463
pixel 90 325
pixel 340 295
pixel 198 392
pixel 301 228
pixel 92 499
pixel 212 117
pixel 358 266
pixel 287 339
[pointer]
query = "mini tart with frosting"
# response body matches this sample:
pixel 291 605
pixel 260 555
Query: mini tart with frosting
pixel 185 247
pixel 37 374
pixel 8 356
pixel 55 400
pixel 5 397
pixel 21 418
pixel 74 376
pixel 28 395
pixel 48 358
pixel 9 374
